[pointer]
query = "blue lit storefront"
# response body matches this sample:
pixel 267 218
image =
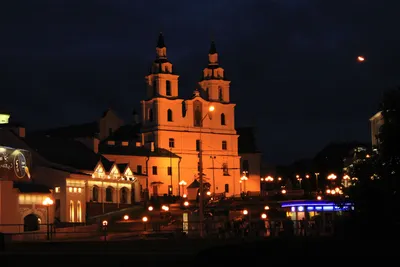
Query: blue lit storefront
pixel 299 209
pixel 318 215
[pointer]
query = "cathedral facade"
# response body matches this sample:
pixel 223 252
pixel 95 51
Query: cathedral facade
pixel 181 125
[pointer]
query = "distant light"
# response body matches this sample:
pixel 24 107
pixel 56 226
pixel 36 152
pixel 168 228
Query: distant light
pixel 211 108
pixel 184 195
pixel 245 212
pixel 266 207
pixel 105 223
pixel 150 208
pixel 263 216
pixel 165 208
pixel 145 219
pixel 319 197
pixel 283 191
pixel 208 193
pixel 126 217
pixel 186 203
pixel 360 59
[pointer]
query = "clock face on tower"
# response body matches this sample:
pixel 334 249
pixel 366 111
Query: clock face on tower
pixel 20 166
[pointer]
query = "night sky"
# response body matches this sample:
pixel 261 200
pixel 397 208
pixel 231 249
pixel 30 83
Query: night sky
pixel 292 63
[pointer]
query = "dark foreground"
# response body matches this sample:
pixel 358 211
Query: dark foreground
pixel 289 251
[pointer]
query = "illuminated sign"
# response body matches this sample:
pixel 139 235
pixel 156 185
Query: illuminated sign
pixel 14 163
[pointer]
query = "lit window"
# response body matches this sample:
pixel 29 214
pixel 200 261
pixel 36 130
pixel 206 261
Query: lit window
pixel 75 189
pixel 57 189
pixel 79 190
pixel 70 189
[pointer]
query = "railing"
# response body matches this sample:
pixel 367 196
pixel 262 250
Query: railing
pixel 173 229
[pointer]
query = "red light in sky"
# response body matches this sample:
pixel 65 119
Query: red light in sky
pixel 360 59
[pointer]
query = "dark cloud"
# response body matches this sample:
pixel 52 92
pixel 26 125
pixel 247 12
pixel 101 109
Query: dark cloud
pixel 292 63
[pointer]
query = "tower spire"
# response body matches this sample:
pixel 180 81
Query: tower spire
pixel 160 42
pixel 213 48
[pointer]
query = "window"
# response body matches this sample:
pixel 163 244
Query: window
pixel 197 113
pixel 123 197
pixel 225 169
pixel 95 193
pixel 245 165
pixel 169 170
pixel 224 145
pixel 197 145
pixel 109 194
pixel 154 87
pixel 57 189
pixel 78 211
pixel 222 119
pixel 151 115
pixel 168 88
pixel 171 143
pixel 169 115
pixel 226 188
pixel 220 96
pixel 154 170
pixel 71 211
pixel 139 169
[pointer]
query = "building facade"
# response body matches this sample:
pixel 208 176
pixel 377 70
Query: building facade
pixel 181 126
pixel 376 124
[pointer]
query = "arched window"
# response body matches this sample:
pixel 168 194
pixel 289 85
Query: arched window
pixel 150 115
pixel 197 113
pixel 71 211
pixel 78 211
pixel 123 199
pixel 109 194
pixel 169 115
pixel 183 109
pixel 222 119
pixel 245 165
pixel 95 193
pixel 220 95
pixel 168 88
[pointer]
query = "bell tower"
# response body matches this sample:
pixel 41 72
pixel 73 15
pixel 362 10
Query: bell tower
pixel 214 84
pixel 161 81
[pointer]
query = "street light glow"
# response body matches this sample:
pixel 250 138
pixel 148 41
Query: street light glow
pixel 145 219
pixel 126 217
pixel 150 208
pixel 263 216
pixel 47 201
pixel 211 108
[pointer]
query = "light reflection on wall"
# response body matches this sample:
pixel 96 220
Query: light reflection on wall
pixel 29 199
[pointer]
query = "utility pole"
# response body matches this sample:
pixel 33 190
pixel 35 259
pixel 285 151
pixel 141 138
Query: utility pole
pixel 201 198
pixel 213 173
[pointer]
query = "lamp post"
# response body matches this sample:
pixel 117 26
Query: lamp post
pixel 201 198
pixel 182 183
pixel 213 173
pixel 244 179
pixel 316 181
pixel 47 202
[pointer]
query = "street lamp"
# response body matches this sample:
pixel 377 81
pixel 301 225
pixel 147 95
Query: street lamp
pixel 332 177
pixel 183 184
pixel 316 180
pixel 201 198
pixel 244 179
pixel 346 180
pixel 47 202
